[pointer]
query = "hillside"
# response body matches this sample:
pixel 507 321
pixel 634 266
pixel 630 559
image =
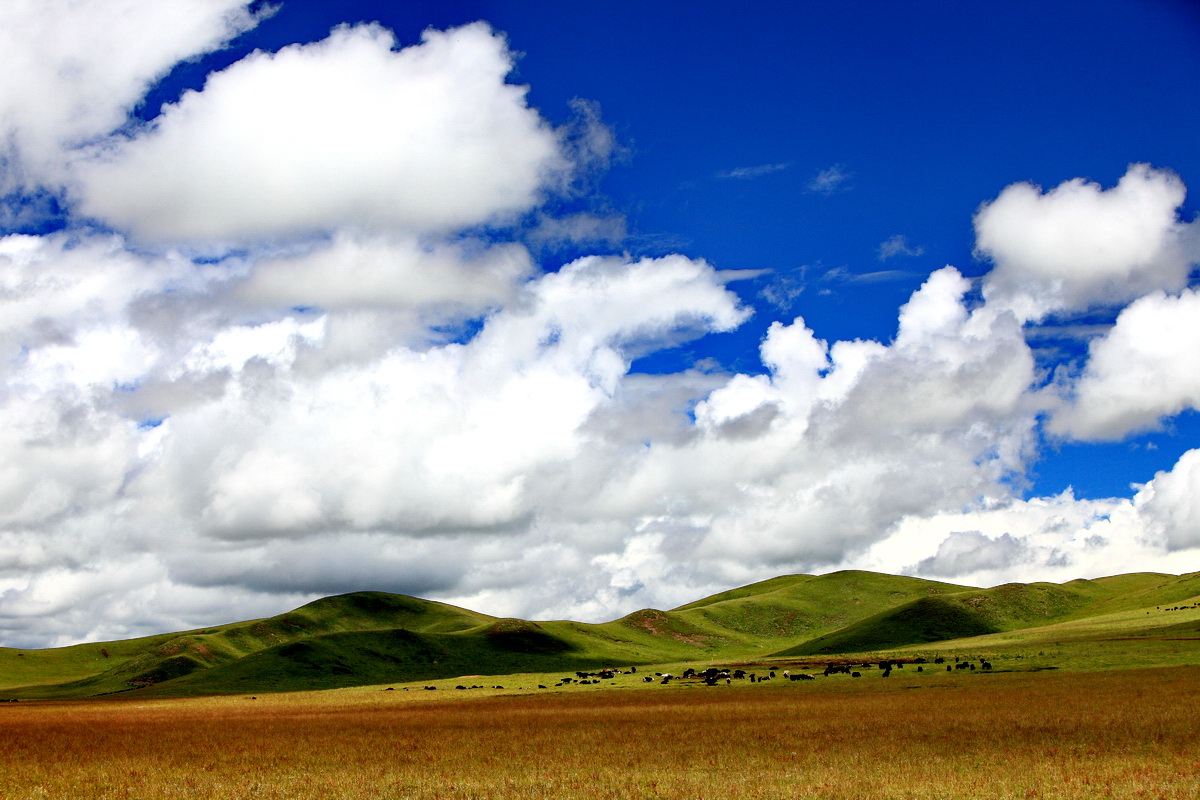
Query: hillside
pixel 106 667
pixel 807 605
pixel 1012 606
pixel 374 637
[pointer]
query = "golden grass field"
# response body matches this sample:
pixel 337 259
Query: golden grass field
pixel 1130 733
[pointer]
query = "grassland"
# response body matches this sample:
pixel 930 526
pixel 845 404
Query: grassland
pixel 1127 734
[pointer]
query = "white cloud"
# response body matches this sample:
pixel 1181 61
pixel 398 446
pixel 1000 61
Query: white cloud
pixel 113 598
pixel 1144 369
pixel 966 552
pixel 829 180
pixel 898 245
pixel 529 437
pixel 396 272
pixel 1078 246
pixel 588 144
pixel 72 71
pixel 52 286
pixel 1171 503
pixel 69 347
pixel 800 467
pixel 1044 538
pixel 1056 538
pixel 745 173
pixel 346 131
pixel 523 440
pixel 453 437
pixel 471 471
pixel 580 228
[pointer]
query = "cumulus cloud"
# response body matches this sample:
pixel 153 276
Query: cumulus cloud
pixel 965 552
pixel 107 599
pixel 329 563
pixel 799 466
pixel 1171 503
pixel 67 341
pixel 396 272
pixel 53 286
pixel 1057 538
pixel 470 470
pixel 1079 246
pixel 346 131
pixel 532 441
pixel 74 70
pixel 476 425
pixel 1142 370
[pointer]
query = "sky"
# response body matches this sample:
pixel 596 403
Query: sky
pixel 564 310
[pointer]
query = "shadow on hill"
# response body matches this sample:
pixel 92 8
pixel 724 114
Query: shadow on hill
pixel 520 637
pixel 930 619
pixel 393 656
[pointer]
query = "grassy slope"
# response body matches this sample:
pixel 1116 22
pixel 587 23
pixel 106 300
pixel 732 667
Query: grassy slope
pixel 60 664
pixel 373 637
pixel 82 670
pixel 383 656
pixel 800 607
pixel 1137 638
pixel 1003 608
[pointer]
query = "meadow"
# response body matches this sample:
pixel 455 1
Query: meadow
pixel 1132 733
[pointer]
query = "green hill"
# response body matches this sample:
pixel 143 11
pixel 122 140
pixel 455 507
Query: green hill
pixel 930 619
pixel 805 606
pixel 374 637
pixel 383 656
pixel 107 667
pixel 1012 606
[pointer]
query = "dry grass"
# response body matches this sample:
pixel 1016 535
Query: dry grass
pixel 1118 734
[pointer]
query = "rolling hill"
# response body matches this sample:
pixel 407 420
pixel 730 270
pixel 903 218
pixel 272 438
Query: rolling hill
pixel 367 638
pixel 1012 606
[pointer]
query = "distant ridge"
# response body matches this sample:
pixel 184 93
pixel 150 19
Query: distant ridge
pixel 366 638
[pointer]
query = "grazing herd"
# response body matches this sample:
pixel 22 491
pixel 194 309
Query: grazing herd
pixel 886 666
pixel 713 676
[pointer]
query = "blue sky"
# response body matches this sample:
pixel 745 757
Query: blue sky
pixel 444 297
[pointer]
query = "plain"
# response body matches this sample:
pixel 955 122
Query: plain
pixel 1130 733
